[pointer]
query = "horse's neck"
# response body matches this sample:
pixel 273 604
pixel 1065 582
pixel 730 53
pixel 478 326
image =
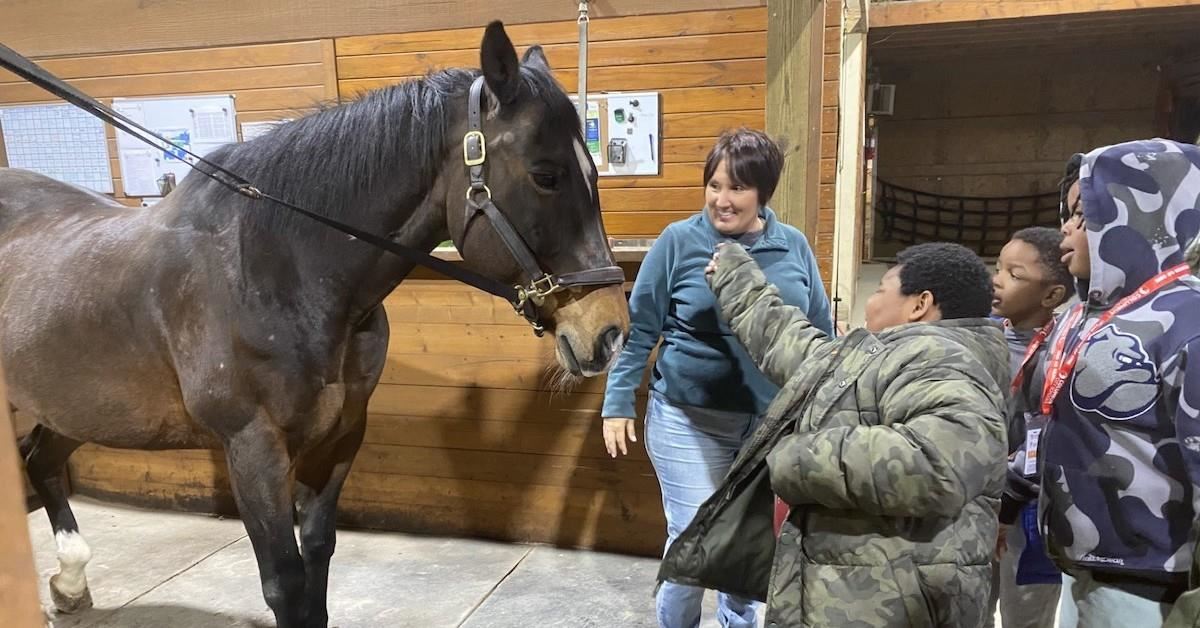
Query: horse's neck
pixel 370 165
pixel 335 269
pixel 423 230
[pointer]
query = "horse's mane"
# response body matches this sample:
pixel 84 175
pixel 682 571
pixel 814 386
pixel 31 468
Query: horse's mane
pixel 343 159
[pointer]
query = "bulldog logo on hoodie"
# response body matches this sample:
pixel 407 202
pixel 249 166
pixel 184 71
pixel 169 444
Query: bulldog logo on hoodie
pixel 1116 377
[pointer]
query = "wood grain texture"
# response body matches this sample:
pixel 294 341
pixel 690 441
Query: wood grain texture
pixel 916 12
pixel 18 578
pixel 104 25
pixel 794 35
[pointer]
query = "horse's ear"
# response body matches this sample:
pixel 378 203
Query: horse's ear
pixel 498 59
pixel 536 57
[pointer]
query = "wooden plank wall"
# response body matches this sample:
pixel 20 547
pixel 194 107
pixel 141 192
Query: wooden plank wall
pixel 466 434
pixel 892 13
pixel 69 27
pixel 710 68
pixel 268 81
pixel 1005 126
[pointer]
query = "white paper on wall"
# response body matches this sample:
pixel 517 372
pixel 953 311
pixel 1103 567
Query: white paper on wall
pixel 199 124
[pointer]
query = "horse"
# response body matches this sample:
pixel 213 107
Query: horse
pixel 216 320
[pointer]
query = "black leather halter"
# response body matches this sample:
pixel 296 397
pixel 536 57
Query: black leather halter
pixel 532 295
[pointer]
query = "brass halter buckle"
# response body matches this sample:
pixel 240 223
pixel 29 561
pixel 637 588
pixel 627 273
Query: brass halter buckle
pixel 537 291
pixel 480 148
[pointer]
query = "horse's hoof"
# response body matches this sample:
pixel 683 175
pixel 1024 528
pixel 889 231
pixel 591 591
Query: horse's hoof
pixel 69 603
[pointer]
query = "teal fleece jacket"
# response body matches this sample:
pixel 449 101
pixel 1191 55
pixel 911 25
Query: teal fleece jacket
pixel 700 362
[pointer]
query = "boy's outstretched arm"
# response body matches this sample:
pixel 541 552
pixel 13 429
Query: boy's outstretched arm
pixel 778 336
pixel 940 444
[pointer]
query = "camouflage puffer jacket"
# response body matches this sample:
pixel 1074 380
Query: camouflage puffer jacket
pixel 890 448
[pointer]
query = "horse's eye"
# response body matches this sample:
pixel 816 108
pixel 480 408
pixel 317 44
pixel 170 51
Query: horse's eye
pixel 545 180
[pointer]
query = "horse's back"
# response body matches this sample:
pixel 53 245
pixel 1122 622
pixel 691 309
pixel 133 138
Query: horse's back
pixel 80 279
pixel 24 191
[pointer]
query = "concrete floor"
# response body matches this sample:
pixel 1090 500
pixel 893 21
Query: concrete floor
pixel 153 569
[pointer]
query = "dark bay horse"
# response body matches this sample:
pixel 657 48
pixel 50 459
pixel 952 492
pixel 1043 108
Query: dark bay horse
pixel 213 319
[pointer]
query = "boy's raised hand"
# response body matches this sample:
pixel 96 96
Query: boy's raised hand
pixel 712 264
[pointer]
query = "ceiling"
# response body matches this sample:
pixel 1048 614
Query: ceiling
pixel 1162 31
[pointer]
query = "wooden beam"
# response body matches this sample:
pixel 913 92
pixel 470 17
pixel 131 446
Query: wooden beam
pixel 329 64
pixel 63 27
pixel 848 216
pixel 795 36
pixel 916 12
pixel 18 579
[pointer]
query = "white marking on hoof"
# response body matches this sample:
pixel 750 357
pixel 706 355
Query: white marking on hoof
pixel 69 587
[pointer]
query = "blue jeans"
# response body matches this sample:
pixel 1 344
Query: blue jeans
pixel 692 449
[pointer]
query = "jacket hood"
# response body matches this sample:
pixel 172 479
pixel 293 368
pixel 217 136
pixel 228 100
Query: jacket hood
pixel 983 338
pixel 1141 207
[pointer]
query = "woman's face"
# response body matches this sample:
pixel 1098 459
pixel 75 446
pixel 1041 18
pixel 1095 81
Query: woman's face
pixel 732 208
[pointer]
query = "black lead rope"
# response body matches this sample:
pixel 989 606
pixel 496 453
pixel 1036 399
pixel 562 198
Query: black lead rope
pixel 32 72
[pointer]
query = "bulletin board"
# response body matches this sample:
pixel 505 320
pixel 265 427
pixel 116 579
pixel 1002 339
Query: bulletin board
pixel 622 133
pixel 60 141
pixel 197 123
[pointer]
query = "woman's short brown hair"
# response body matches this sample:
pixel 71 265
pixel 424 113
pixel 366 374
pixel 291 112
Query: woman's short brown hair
pixel 752 158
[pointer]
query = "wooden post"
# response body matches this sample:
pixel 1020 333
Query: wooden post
pixel 18 579
pixel 849 218
pixel 794 54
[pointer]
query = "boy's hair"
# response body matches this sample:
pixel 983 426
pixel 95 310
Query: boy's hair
pixel 959 281
pixel 1070 176
pixel 752 158
pixel 1047 241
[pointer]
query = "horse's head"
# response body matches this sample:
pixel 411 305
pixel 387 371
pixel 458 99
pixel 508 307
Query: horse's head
pixel 529 159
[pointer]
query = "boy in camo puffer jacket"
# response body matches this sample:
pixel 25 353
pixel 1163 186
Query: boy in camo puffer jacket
pixel 888 444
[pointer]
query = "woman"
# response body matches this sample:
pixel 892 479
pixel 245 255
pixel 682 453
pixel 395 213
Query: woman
pixel 706 392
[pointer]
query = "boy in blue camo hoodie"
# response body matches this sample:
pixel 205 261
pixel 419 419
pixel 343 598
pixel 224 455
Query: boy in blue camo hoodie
pixel 1121 452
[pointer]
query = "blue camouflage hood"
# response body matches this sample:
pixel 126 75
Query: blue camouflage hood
pixel 1141 203
pixel 1121 455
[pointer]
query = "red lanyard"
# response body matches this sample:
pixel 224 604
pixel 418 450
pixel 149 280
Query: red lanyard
pixel 1036 343
pixel 1059 368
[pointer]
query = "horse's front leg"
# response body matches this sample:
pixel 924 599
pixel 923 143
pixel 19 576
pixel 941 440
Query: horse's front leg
pixel 258 472
pixel 319 478
pixel 320 473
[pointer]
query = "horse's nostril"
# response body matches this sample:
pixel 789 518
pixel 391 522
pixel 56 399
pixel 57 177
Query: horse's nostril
pixel 610 341
pixel 568 355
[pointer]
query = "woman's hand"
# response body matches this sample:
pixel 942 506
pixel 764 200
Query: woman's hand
pixel 615 431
